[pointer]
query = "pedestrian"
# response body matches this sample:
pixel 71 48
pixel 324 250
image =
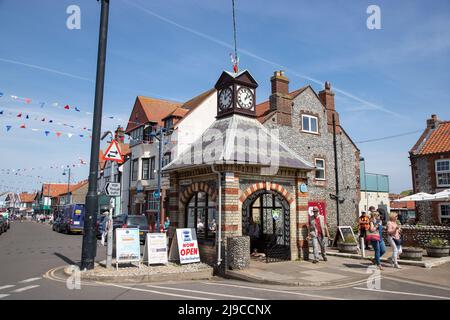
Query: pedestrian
pixel 375 236
pixel 318 232
pixel 253 232
pixel 166 224
pixel 107 225
pixel 394 238
pixel 363 226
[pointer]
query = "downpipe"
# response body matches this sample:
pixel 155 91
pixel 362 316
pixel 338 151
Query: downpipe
pixel 219 234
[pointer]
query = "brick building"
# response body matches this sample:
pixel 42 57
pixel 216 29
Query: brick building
pixel 305 122
pixel 430 165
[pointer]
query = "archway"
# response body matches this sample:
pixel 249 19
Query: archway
pixel 266 219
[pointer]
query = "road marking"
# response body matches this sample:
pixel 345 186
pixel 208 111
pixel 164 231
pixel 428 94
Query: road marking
pixel 4 296
pixel 418 283
pixel 6 287
pixel 25 289
pixel 204 292
pixel 404 293
pixel 30 280
pixel 154 291
pixel 272 290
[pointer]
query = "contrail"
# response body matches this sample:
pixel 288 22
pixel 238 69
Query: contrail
pixel 258 57
pixel 46 69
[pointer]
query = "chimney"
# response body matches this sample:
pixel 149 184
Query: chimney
pixel 119 135
pixel 327 98
pixel 433 122
pixel 280 100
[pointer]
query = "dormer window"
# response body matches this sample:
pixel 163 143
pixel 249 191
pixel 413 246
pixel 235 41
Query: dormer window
pixel 309 124
pixel 168 123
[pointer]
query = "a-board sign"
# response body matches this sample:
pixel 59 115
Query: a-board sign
pixel 155 250
pixel 184 247
pixel 344 232
pixel 128 246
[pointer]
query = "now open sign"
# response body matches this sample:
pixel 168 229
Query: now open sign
pixel 187 246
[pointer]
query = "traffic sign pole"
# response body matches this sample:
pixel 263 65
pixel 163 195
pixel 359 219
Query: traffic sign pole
pixel 110 224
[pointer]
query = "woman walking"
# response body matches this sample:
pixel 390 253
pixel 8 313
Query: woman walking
pixel 375 236
pixel 393 231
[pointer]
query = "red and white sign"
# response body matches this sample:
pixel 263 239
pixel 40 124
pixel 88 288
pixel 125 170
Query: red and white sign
pixel 187 246
pixel 322 205
pixel 113 153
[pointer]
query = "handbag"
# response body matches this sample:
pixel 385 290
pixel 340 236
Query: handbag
pixel 372 235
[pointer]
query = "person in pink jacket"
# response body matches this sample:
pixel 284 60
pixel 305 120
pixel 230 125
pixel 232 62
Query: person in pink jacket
pixel 393 231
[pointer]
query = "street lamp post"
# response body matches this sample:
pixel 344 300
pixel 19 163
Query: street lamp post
pixel 68 186
pixel 88 251
pixel 160 136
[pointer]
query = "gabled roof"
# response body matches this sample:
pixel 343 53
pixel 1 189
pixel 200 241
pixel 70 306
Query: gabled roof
pixel 192 104
pixel 147 110
pixel 225 142
pixel 76 186
pixel 53 189
pixel 263 111
pixel 433 141
pixel 27 197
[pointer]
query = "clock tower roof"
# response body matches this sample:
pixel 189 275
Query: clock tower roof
pixel 242 77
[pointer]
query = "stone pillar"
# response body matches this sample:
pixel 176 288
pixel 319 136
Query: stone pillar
pixel 238 252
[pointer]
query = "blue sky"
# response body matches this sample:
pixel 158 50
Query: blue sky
pixel 387 81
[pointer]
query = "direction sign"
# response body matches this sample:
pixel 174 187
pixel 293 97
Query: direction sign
pixel 113 152
pixel 112 189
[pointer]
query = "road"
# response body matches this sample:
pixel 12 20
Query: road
pixel 32 257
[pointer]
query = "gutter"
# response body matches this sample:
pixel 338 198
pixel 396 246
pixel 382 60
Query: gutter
pixel 219 235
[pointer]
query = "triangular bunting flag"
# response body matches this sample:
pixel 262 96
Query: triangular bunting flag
pixel 19 115
pixel 43 120
pixel 22 126
pixel 47 133
pixel 67 107
pixel 27 117
pixel 8 128
pixel 70 135
pixel 1 112
pixel 1 94
pixel 28 101
pixel 58 134
pixel 50 121
pixel 76 109
pixel 81 136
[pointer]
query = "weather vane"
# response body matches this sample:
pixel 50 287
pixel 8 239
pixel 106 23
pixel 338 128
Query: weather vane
pixel 234 58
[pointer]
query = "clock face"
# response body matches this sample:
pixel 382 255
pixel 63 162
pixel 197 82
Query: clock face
pixel 245 98
pixel 225 99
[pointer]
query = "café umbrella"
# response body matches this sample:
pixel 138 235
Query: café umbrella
pixel 421 196
pixel 443 195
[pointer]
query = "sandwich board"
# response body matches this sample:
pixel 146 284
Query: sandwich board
pixel 184 247
pixel 155 250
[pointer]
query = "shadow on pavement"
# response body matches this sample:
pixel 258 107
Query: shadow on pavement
pixel 65 259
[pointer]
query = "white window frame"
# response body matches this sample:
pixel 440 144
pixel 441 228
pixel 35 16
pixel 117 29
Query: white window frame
pixel 324 169
pixel 440 211
pixel 309 122
pixel 437 173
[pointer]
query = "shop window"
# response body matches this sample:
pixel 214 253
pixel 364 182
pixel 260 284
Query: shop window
pixel 152 168
pixel 201 215
pixel 320 169
pixel 166 159
pixel 443 173
pixel 153 203
pixel 309 124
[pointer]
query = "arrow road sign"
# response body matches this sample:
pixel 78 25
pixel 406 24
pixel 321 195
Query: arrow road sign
pixel 112 189
pixel 113 152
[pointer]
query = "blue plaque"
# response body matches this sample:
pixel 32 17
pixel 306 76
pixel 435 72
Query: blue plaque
pixel 303 188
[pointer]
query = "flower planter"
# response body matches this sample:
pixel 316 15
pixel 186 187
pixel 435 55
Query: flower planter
pixel 437 252
pixel 412 254
pixel 348 247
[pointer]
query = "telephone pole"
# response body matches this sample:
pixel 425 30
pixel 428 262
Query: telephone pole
pixel 89 248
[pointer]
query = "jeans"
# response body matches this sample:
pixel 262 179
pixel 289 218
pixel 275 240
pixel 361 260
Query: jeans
pixel 396 251
pixel 380 248
pixel 319 241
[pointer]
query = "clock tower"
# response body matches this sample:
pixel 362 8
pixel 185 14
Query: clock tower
pixel 236 94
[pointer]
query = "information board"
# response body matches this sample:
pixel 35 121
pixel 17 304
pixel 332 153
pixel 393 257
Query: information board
pixel 155 251
pixel 128 246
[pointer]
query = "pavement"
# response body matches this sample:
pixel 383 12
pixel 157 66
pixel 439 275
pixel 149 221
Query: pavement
pixel 33 259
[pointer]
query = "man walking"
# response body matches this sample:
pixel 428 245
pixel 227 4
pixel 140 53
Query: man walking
pixel 364 223
pixel 319 234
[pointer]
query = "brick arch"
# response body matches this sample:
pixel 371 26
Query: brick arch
pixel 186 195
pixel 271 186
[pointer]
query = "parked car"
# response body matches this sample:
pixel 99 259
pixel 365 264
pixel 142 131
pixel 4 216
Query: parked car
pixel 3 224
pixel 73 218
pixel 57 224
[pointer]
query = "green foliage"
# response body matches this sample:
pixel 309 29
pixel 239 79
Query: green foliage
pixel 406 193
pixel 437 242
pixel 348 240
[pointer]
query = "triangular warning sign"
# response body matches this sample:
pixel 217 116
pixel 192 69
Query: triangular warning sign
pixel 113 152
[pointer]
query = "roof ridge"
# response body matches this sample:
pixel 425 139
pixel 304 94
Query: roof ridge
pixel 167 100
